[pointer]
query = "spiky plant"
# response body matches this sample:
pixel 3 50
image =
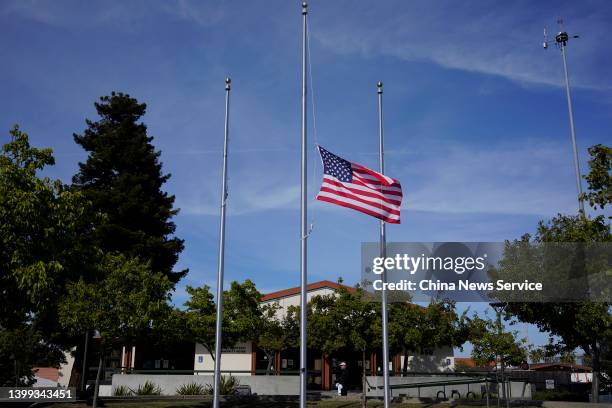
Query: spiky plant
pixel 192 389
pixel 227 385
pixel 122 391
pixel 148 388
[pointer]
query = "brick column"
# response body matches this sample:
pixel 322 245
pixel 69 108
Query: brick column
pixel 397 364
pixel 326 373
pixel 373 369
pixel 253 360
pixel 277 362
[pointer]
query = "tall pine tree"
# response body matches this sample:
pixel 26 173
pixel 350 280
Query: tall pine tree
pixel 123 179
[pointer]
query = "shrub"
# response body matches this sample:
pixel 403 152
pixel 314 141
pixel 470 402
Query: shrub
pixel 122 391
pixel 560 395
pixel 148 388
pixel 227 385
pixel 192 389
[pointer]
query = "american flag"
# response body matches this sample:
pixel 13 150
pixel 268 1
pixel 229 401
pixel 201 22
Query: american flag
pixel 353 186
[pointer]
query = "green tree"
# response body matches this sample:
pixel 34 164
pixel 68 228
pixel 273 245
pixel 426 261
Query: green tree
pixel 270 337
pixel 568 357
pixel 322 327
pixel 347 319
pixel 536 354
pixel 405 334
pixel 22 348
pixel 492 343
pixel 421 330
pixel 242 312
pixel 245 318
pixel 586 325
pixel 201 315
pixel 43 246
pixel 123 179
pixel 276 333
pixel 599 178
pixel 200 318
pixel 128 302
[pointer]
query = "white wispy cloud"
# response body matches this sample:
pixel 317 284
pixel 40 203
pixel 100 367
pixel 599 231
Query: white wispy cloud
pixel 496 38
pixel 535 178
pixel 243 200
pixel 198 12
pixel 117 14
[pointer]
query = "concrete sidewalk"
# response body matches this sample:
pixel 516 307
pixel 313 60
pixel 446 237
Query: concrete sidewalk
pixel 562 404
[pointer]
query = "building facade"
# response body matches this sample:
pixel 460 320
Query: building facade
pixel 246 359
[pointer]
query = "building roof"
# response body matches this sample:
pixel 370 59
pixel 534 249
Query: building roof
pixel 560 367
pixel 324 284
pixel 467 362
pixel 49 373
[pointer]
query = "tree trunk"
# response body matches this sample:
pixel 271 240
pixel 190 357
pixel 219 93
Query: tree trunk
pixel 405 365
pixel 75 373
pixel 211 352
pixel 364 402
pixel 270 360
pixel 98 375
pixel 595 383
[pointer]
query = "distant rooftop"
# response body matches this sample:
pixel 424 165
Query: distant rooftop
pixel 324 284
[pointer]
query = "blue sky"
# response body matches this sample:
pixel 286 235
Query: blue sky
pixel 475 114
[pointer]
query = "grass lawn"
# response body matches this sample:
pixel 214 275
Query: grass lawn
pixel 267 404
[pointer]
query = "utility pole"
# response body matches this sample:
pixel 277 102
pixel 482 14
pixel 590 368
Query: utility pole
pixel 499 307
pixel 561 40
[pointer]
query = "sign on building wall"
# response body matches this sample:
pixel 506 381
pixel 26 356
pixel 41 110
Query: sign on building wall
pixel 235 349
pixel 582 377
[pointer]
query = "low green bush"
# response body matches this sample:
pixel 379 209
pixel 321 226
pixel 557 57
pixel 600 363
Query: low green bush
pixel 148 388
pixel 122 391
pixel 227 385
pixel 559 395
pixel 192 389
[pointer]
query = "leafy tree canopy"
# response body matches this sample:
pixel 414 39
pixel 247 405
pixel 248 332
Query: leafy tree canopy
pixel 599 178
pixel 128 302
pixel 587 325
pixel 491 343
pixel 41 227
pixel 44 244
pixel 123 179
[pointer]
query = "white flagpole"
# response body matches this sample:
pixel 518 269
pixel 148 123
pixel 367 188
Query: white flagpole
pixel 221 266
pixel 303 225
pixel 383 254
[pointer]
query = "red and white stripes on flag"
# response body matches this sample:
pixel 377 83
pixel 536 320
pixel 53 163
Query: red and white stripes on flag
pixel 354 186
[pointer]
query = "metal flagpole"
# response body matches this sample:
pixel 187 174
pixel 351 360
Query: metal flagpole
pixel 84 373
pixel 383 254
pixel 218 328
pixel 303 224
pixel 562 40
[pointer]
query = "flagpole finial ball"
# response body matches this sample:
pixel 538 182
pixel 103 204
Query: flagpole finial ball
pixel 228 81
pixel 379 86
pixel 304 7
